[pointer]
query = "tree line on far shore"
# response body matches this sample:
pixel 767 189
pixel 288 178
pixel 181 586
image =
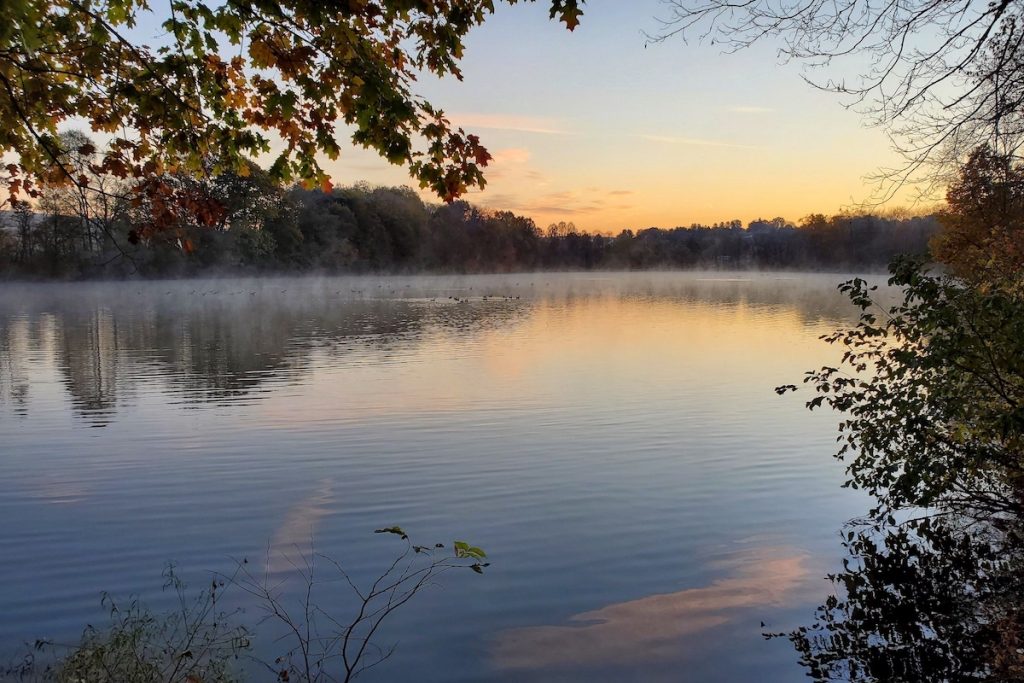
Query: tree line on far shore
pixel 247 223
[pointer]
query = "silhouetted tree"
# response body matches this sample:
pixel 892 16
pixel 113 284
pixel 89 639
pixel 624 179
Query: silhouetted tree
pixel 982 235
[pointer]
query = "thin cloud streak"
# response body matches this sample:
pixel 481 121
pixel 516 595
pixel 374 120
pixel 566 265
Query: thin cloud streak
pixel 560 205
pixel 749 109
pixel 521 124
pixel 695 142
pixel 511 155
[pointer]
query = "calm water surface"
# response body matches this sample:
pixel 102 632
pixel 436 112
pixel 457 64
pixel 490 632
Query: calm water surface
pixel 613 442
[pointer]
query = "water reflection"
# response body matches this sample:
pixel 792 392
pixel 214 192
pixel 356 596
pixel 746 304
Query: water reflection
pixel 14 354
pixel 57 489
pixel 937 599
pixel 656 627
pixel 549 419
pixel 211 354
pixel 88 358
pixel 291 546
pixel 224 341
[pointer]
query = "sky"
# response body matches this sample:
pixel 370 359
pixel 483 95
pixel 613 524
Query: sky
pixel 601 129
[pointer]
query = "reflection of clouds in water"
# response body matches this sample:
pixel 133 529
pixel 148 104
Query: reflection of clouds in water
pixel 291 546
pixel 653 627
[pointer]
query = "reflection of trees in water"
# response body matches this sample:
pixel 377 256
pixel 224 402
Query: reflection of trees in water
pixel 14 374
pixel 815 298
pixel 88 352
pixel 214 350
pixel 218 341
pixel 933 600
pixel 223 351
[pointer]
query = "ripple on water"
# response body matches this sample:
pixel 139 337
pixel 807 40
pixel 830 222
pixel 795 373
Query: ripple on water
pixel 613 441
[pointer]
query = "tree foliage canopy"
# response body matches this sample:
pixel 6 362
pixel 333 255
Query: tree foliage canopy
pixel 932 394
pixel 982 236
pixel 228 78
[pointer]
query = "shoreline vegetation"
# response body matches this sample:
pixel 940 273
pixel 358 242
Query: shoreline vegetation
pixel 325 624
pixel 930 392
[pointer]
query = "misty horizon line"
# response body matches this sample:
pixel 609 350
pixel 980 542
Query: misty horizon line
pixel 7 216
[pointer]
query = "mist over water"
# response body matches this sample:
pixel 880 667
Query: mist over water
pixel 612 440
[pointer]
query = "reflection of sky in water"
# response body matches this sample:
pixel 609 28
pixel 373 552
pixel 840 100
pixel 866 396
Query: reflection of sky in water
pixel 613 442
pixel 293 543
pixel 655 627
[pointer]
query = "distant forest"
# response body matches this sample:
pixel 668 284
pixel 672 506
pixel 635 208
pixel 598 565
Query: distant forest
pixel 263 228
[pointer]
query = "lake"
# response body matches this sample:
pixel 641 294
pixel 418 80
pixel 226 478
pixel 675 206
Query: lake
pixel 613 441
